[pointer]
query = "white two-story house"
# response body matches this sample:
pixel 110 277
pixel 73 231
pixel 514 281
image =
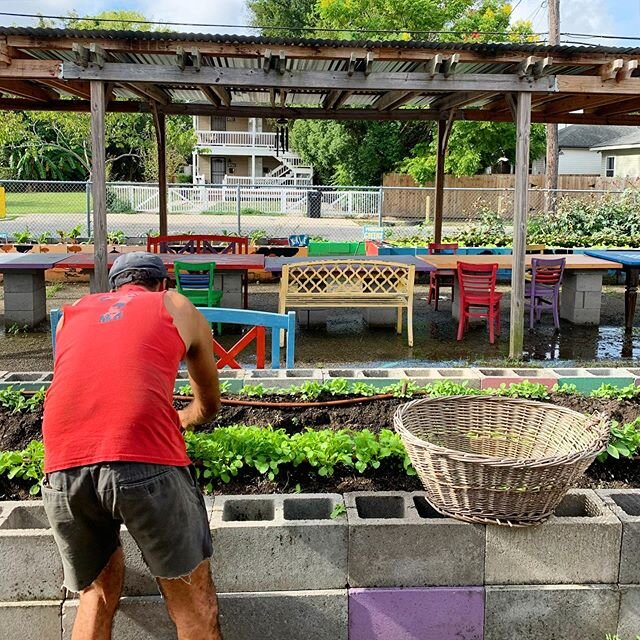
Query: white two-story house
pixel 243 151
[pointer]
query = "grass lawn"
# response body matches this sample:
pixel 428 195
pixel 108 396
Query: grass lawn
pixel 49 202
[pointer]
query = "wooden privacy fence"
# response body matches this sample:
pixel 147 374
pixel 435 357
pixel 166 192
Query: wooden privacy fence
pixel 465 196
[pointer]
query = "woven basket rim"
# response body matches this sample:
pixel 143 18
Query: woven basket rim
pixel 598 423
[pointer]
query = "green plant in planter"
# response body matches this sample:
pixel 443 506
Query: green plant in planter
pixel 43 238
pixel 27 464
pixel 566 389
pixel 75 233
pixel 611 392
pixel 116 237
pixel 22 237
pixel 256 235
pixel 524 389
pixel 63 235
pixel 624 441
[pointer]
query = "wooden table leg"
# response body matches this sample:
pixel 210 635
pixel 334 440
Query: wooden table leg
pixel 630 296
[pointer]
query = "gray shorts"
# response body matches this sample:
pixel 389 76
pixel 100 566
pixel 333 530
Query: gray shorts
pixel 161 506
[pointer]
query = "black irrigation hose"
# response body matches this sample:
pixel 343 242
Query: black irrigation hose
pixel 296 405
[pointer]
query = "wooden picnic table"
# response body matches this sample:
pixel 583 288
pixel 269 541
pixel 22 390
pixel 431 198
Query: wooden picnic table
pixel 581 295
pixel 231 270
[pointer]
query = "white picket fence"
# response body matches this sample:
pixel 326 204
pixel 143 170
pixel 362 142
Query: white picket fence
pixel 199 199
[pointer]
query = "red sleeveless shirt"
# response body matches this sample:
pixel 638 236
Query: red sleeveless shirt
pixel 117 355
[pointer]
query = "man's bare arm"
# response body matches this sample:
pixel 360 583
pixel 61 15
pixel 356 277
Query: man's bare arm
pixel 201 366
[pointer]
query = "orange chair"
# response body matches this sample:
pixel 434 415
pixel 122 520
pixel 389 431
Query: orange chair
pixel 478 297
pixel 442 277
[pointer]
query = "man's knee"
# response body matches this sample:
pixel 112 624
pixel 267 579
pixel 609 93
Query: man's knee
pixel 106 589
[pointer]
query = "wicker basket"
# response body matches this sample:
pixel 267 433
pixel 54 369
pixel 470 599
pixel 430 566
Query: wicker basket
pixel 498 460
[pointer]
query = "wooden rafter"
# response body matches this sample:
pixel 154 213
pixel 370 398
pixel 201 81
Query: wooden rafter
pixel 575 103
pixel 148 92
pixel 25 89
pixel 76 88
pixel 456 100
pixel 610 70
pixel 211 95
pixel 5 56
pixel 31 69
pixel 615 107
pixel 394 99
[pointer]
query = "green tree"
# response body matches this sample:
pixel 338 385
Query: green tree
pixel 292 14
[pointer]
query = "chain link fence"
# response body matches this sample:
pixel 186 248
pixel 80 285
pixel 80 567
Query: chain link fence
pixel 56 211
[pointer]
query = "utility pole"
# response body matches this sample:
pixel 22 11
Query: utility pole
pixel 551 173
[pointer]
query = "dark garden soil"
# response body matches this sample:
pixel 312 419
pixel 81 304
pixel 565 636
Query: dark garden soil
pixel 17 430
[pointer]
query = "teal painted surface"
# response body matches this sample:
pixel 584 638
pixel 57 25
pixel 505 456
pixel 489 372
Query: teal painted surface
pixel 337 248
pixel 587 385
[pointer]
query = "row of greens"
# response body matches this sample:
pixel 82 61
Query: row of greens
pixel 227 452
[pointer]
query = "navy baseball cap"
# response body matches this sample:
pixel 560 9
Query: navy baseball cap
pixel 142 260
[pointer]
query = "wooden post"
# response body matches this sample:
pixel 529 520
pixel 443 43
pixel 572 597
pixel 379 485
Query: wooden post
pixel 161 139
pixel 439 196
pixel 521 207
pixel 551 165
pixel 98 185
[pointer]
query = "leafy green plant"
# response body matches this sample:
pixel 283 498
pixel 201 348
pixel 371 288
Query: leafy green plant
pixel 402 389
pixel 16 401
pixel 624 441
pixel 22 237
pixel 443 388
pixel 257 234
pixel 363 389
pixel 15 329
pixel 43 238
pixel 52 289
pixel 524 389
pixel 337 386
pixel 565 389
pixel 75 233
pixel 338 510
pixel 186 390
pixel 27 464
pixel 62 234
pixel 309 390
pixel 116 237
pixel 611 392
pixel 254 390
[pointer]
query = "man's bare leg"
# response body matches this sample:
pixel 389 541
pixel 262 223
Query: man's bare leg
pixel 99 602
pixel 192 604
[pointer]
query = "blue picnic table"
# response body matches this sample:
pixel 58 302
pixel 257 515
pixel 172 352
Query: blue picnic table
pixel 628 261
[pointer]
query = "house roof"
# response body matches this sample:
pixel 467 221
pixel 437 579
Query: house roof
pixel 587 136
pixel 233 75
pixel 630 140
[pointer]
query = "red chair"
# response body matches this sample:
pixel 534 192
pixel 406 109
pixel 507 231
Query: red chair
pixel 442 277
pixel 478 292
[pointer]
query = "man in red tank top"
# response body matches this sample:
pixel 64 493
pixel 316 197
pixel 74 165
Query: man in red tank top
pixel 114 452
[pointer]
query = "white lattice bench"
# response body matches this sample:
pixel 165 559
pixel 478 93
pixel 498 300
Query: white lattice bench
pixel 349 283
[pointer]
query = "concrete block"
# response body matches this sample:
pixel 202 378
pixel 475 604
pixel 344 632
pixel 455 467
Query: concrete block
pixel 416 614
pixel 279 543
pixel 580 544
pixel 329 374
pixel 380 377
pixel 470 376
pixel 298 376
pixel 592 300
pixel 397 539
pixel 31 620
pixel 585 280
pixel 550 612
pixel 626 506
pixel 423 376
pixel 580 315
pixel 137 619
pixel 285 615
pixel 629 617
pixel 18 282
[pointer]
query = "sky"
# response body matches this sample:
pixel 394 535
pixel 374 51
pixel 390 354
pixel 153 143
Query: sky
pixel 604 17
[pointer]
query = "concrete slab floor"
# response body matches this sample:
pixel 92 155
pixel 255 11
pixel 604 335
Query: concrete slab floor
pixel 345 339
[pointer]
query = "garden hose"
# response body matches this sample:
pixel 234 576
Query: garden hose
pixel 295 405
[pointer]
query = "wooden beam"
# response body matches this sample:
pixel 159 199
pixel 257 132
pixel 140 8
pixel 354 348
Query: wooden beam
pixel 98 185
pixel 432 67
pixel 97 55
pixel 181 58
pixel 211 95
pixel 73 87
pixel 393 99
pixel 80 54
pixel 513 107
pixel 161 139
pixel 368 64
pixel 610 71
pixel 310 80
pixel 148 92
pixel 615 107
pixel 449 65
pixel 298 51
pixel 32 69
pixel 575 103
pixel 458 99
pixel 542 67
pixel 527 66
pixel 351 67
pixel 223 95
pixel 5 56
pixel 520 213
pixel 25 89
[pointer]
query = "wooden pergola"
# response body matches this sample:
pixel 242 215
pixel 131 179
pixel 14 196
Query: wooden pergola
pixel 244 76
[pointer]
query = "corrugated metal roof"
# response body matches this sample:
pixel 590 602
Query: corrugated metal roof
pixel 175 36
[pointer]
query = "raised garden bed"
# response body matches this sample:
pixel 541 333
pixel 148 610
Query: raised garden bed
pixel 331 443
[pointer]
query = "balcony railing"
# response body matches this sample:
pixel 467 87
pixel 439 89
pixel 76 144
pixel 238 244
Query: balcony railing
pixel 236 139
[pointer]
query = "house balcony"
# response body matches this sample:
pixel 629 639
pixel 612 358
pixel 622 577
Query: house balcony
pixel 236 142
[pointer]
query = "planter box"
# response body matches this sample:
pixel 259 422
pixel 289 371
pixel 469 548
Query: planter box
pixel 629 618
pixel 551 612
pixel 580 544
pixel 587 380
pixel 279 543
pixel 493 378
pixel 36 620
pixel 413 546
pixel 346 249
pixel 412 614
pixel 626 505
pixel 402 251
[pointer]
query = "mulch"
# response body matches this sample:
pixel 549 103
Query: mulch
pixel 17 430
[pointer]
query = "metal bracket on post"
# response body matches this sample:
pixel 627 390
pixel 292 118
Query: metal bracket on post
pixel 238 208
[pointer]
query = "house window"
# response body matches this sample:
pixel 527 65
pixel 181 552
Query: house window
pixel 611 166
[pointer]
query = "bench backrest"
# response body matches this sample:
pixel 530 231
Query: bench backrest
pixel 348 278
pixel 189 243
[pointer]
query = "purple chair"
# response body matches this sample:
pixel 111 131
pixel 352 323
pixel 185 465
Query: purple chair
pixel 543 291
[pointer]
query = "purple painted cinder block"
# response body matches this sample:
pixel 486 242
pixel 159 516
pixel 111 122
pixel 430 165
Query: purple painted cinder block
pixel 438 613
